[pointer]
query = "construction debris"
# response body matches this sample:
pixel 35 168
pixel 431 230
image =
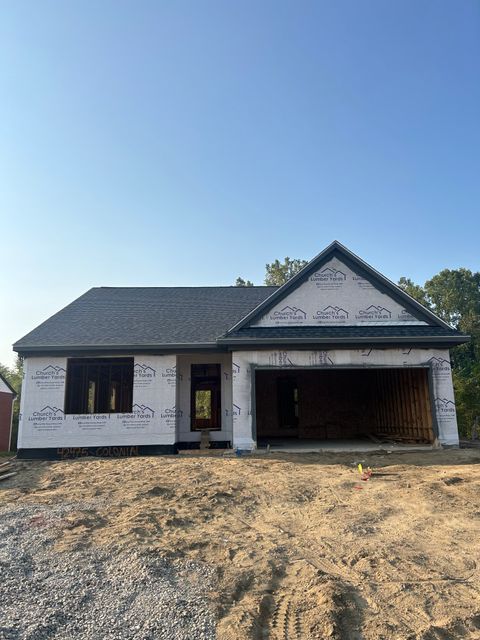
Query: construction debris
pixel 6 470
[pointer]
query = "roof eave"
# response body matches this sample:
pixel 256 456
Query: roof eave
pixel 27 350
pixel 444 340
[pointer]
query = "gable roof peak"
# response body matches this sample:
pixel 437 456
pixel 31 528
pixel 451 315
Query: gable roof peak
pixel 357 264
pixel 12 390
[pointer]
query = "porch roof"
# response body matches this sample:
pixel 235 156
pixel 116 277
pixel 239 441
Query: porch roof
pixel 337 335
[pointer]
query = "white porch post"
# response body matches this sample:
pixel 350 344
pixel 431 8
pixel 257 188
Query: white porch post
pixel 242 401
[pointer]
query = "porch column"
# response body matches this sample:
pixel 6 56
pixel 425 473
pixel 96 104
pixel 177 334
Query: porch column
pixel 444 399
pixel 242 401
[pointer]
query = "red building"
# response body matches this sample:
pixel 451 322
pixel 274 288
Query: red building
pixel 7 397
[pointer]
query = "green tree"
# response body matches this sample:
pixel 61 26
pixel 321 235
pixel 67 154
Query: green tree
pixel 454 295
pixel 14 376
pixel 415 290
pixel 240 282
pixel 277 273
pixel 467 397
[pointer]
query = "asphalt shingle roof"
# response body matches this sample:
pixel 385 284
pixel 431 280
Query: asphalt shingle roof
pixel 120 316
pixel 137 317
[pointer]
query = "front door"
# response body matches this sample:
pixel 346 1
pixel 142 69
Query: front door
pixel 205 409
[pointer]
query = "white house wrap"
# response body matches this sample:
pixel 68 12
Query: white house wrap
pixel 152 420
pixel 338 351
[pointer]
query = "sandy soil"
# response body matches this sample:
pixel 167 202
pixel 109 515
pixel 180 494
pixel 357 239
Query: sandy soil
pixel 302 547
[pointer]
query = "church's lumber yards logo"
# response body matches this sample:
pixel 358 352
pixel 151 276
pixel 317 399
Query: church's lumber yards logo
pixel 445 408
pixel 330 275
pixel 91 421
pixel 143 371
pixel 47 414
pixel 289 314
pixel 171 373
pixel 362 283
pixel 142 412
pixel 170 417
pixel 144 375
pixel 170 413
pixel 50 372
pixel 140 417
pixel 374 313
pixel 405 316
pixel 331 314
pixel 440 365
pixel 49 378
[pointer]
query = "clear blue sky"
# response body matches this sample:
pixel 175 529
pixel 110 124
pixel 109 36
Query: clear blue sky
pixel 185 143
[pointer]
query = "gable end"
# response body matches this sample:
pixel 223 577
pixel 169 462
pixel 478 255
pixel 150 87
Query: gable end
pixel 325 305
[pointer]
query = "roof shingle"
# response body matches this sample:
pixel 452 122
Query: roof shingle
pixel 342 332
pixel 119 316
pixel 194 317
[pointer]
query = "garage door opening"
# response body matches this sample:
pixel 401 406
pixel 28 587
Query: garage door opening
pixel 338 404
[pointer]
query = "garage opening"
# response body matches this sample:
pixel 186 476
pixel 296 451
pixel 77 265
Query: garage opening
pixel 333 404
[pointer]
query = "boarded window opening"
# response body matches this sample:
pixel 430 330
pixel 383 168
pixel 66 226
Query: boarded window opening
pixel 99 385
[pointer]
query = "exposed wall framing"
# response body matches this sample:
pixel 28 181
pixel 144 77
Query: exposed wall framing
pixel 402 404
pixel 347 403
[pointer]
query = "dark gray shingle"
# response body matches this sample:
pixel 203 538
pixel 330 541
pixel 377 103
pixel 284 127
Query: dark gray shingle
pixel 120 316
pixel 412 335
pixel 114 317
pixel 364 331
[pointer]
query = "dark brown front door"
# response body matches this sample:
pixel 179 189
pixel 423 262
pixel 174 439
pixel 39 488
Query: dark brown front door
pixel 205 409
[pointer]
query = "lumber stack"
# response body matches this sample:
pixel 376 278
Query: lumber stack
pixel 6 470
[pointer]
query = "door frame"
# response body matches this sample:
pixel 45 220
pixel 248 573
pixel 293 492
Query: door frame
pixel 215 383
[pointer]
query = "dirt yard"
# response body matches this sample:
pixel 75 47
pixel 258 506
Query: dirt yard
pixel 300 546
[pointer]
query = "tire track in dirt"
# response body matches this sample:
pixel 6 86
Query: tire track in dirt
pixel 286 620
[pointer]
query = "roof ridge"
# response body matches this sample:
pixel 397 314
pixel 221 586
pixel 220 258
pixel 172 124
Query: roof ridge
pixel 208 286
